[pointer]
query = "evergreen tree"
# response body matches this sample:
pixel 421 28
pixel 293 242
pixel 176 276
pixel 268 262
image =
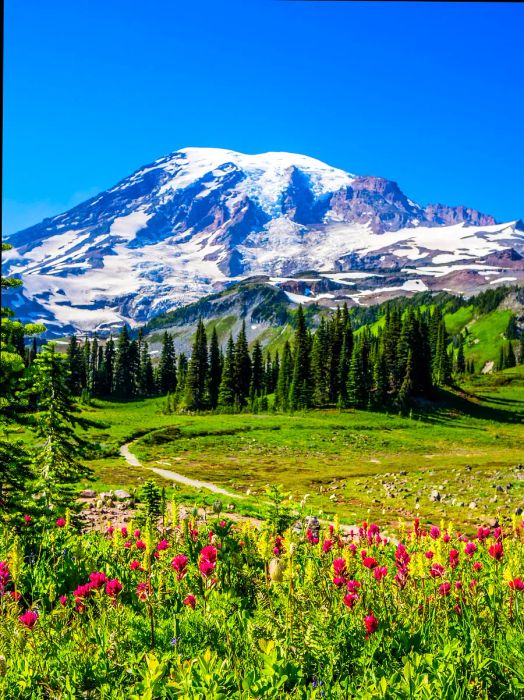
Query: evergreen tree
pixel 380 381
pixel 257 372
pixel 56 462
pixel 285 376
pixel 134 363
pixel 86 366
pixel 146 380
pixel 107 368
pixel 300 389
pixel 167 375
pixel 76 366
pixel 242 365
pixel 511 360
pixel 461 360
pixel 511 331
pixel 215 370
pixel 501 364
pixel 195 388
pixel 521 348
pixel 407 388
pixel 320 366
pixel 226 393
pixel 441 364
pixel 93 367
pixel 123 376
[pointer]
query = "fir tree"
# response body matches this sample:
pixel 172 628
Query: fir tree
pixel 242 366
pixel 146 380
pixel 285 375
pixel 215 370
pixel 167 375
pixel 511 331
pixel 461 361
pixel 226 393
pixel 406 390
pixel 123 377
pixel 57 461
pixel 257 372
pixel 195 388
pixel 300 389
pixel 511 360
pixel 76 366
pixel 320 366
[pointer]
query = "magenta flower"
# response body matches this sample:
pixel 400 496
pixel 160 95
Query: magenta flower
pixel 123 531
pixel 206 567
pixel 82 592
pixel 190 601
pixel 339 567
pixel 140 544
pixel 380 572
pixel 371 624
pixel 27 519
pixel 179 564
pixel 516 584
pixel 434 533
pixel 327 546
pixel 113 587
pixel 445 588
pixel 350 599
pixel 135 566
pixel 60 522
pixel 143 591
pixel 470 549
pixel 436 570
pixel 496 551
pixel 353 586
pixel 370 562
pixel 429 554
pixel 162 545
pixel 477 566
pixel 136 534
pixel 97 579
pixel 339 581
pixel 453 558
pixel 4 576
pixel 28 619
pixel 63 600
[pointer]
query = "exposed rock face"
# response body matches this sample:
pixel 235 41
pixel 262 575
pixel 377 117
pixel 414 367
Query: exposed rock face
pixel 446 216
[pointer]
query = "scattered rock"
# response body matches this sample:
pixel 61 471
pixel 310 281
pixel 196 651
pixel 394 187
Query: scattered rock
pixel 121 495
pixel 435 496
pixel 88 493
pixel 472 505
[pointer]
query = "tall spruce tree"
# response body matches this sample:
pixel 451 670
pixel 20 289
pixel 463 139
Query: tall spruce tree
pixel 214 371
pixel 146 380
pixel 242 366
pixel 257 372
pixel 300 389
pixel 226 393
pixel 167 376
pixel 321 365
pixel 123 370
pixel 195 389
pixel 285 375
pixel 76 366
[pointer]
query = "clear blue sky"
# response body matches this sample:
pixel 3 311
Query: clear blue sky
pixel 430 95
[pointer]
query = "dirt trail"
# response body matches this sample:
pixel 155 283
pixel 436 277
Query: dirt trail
pixel 174 476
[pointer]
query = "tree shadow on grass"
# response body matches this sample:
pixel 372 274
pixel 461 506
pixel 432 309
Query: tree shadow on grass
pixel 451 406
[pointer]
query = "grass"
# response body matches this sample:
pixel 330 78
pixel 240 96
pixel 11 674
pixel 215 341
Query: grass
pixel 358 464
pixel 486 337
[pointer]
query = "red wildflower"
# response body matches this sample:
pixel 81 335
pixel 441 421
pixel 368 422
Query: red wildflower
pixel 82 592
pixel 339 581
pixel 327 546
pixel 353 586
pixel 143 591
pixel 445 588
pixel 206 567
pixel 127 545
pixel 113 587
pixel 470 549
pixel 63 600
pixel 477 566
pixel 380 572
pixel 110 530
pixel 434 533
pixel 179 564
pixel 209 553
pixel 371 624
pixel 339 566
pixel 370 562
pixel 517 584
pixel 483 533
pixel 436 570
pixel 162 545
pixel 28 619
pixel 190 601
pixel 97 579
pixel 60 522
pixel 496 551
pixel 135 565
pixel 136 534
pixel 429 554
pixel 4 576
pixel 140 544
pixel 123 531
pixel 350 599
pixel 27 519
pixel 453 558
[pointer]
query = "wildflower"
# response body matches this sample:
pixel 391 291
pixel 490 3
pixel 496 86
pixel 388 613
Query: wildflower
pixel 516 584
pixel 190 601
pixel 82 592
pixel 135 566
pixel 4 576
pixel 143 591
pixel 113 587
pixel 162 545
pixel 457 609
pixel 470 549
pixel 60 522
pixel 27 519
pixel 15 595
pixel 436 570
pixel 123 531
pixel 63 600
pixel 97 579
pixel 206 567
pixel 434 533
pixel 496 551
pixel 136 534
pixel 446 538
pixel 179 564
pixel 380 572
pixel 458 585
pixel 353 548
pixel 350 599
pixel 453 558
pixel 140 544
pixel 429 554
pixel 353 586
pixel 370 562
pixel 110 531
pixel 28 619
pixel 477 566
pixel 311 538
pixel 371 624
pixel 127 545
pixel 339 581
pixel 445 588
pixel 339 566
pixel 209 553
pixel 483 533
pixel 327 546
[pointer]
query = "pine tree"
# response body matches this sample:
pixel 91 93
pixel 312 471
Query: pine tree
pixel 461 361
pixel 357 394
pixel 86 365
pixel 146 380
pixel 511 331
pixel 257 372
pixel 380 381
pixel 406 390
pixel 521 348
pixel 214 371
pixel 242 365
pixel 57 461
pixel 76 366
pixel 93 367
pixel 501 364
pixel 134 364
pixel 195 388
pixel 167 376
pixel 123 378
pixel 107 368
pixel 226 393
pixel 441 364
pixel 285 375
pixel 511 360
pixel 320 366
pixel 300 389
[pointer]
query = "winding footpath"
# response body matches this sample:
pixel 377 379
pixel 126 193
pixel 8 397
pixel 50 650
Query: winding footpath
pixel 174 476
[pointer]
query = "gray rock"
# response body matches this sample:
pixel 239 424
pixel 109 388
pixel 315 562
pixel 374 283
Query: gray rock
pixel 121 495
pixel 88 493
pixel 435 496
pixel 472 505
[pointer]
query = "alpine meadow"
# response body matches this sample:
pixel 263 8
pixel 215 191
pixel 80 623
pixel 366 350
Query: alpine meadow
pixel 262 416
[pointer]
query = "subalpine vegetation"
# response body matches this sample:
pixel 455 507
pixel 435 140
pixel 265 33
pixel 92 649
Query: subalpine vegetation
pixel 409 356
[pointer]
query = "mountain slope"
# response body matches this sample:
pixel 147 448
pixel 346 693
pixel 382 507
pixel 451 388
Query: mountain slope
pixel 192 222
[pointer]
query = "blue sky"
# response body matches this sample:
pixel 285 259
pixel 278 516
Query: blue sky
pixel 430 95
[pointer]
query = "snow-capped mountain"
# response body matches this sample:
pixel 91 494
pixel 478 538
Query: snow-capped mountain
pixel 191 222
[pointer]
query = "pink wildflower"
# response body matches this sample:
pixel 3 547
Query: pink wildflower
pixel 28 619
